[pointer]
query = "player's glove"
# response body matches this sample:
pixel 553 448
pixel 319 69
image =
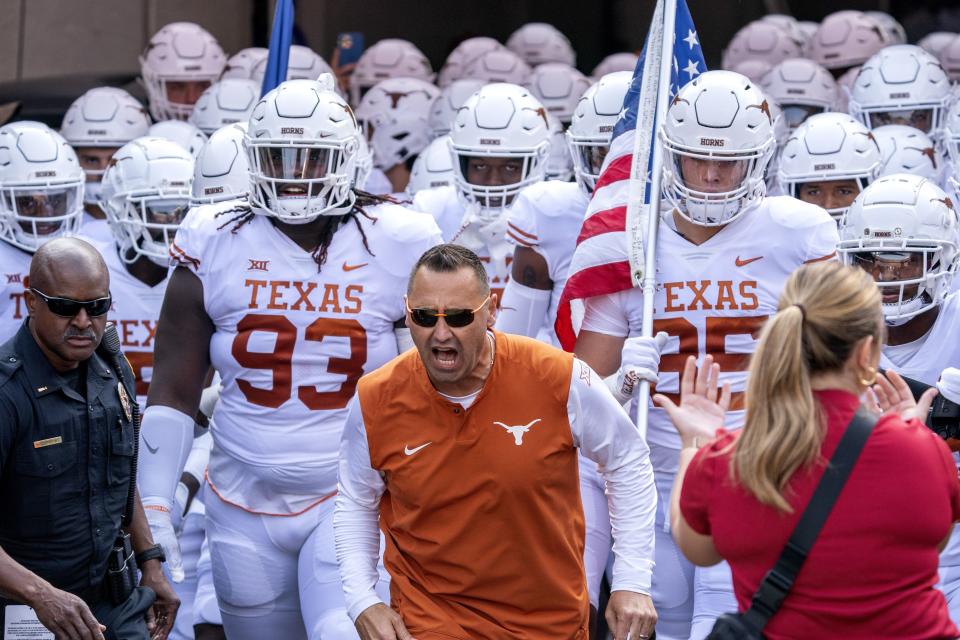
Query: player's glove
pixel 161 526
pixel 209 398
pixel 640 360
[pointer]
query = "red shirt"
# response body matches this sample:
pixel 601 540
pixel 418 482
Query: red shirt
pixel 872 571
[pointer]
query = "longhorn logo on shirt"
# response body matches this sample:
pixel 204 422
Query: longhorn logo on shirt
pixel 517 431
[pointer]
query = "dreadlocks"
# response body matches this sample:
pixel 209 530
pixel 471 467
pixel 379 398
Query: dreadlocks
pixel 242 214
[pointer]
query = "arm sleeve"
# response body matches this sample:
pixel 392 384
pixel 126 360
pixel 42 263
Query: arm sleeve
pixel 695 493
pixel 166 437
pixel 605 314
pixel 605 434
pixel 522 222
pixel 523 310
pixel 356 514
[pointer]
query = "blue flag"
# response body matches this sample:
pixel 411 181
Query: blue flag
pixel 281 38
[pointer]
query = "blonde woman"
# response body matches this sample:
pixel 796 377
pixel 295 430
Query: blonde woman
pixel 872 570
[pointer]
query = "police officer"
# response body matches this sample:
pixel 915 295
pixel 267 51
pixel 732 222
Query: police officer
pixel 66 446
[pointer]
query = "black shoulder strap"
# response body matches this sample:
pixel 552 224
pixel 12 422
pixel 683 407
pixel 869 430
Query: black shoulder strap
pixel 778 581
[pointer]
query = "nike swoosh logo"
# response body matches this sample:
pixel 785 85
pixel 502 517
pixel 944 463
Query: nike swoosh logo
pixel 352 267
pixel 743 263
pixel 407 450
pixel 152 450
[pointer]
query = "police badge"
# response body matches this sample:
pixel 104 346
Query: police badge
pixel 125 401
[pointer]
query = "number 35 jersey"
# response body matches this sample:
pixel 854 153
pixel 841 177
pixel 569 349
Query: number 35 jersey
pixel 291 341
pixel 713 298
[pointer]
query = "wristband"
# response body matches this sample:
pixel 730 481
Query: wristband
pixel 151 553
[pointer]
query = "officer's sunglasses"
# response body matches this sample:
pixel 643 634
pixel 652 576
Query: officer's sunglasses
pixel 69 308
pixel 455 318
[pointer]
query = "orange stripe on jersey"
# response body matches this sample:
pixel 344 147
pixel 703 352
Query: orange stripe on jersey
pixel 821 259
pixel 518 239
pixel 206 475
pixel 531 237
pixel 179 255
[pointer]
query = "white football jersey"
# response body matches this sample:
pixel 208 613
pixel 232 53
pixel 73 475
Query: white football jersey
pixel 924 359
pixel 136 312
pixel 713 298
pixel 15 265
pixel 96 229
pixel 291 340
pixel 547 217
pixel 377 183
pixel 449 211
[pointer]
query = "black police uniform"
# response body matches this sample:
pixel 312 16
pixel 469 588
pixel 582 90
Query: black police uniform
pixel 66 446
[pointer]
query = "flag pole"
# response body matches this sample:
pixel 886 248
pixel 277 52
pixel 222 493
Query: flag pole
pixel 652 217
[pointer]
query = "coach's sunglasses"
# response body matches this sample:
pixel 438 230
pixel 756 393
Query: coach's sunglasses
pixel 455 318
pixel 68 308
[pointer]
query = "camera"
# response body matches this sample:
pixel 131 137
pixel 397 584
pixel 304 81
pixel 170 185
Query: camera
pixel 944 416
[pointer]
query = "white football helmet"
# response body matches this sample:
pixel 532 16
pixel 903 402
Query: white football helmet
pixel 950 58
pixel 828 147
pixel 185 134
pixel 444 108
pixel 558 87
pixel 146 194
pixel 462 55
pixel 539 42
pixel 901 221
pixel 302 146
pixel 180 61
pixel 41 185
pixel 760 40
pixel 846 39
pixel 390 58
pixel 304 64
pixel 802 88
pixel 933 43
pixel 501 65
pixel 722 125
pixel 104 117
pixel 225 102
pixel 433 167
pixel 363 166
pixel 247 64
pixel 501 121
pixel 221 171
pixel 592 126
pixel 894 31
pixel 901 82
pixel 625 61
pixel 788 24
pixel 393 114
pixel 559 161
pixel 904 149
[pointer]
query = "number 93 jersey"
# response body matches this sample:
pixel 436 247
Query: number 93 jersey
pixel 291 340
pixel 713 298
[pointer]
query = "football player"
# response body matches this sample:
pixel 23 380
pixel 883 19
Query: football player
pixel 904 231
pixel 828 161
pixel 97 124
pixel 902 84
pixel 723 254
pixel 388 58
pixel 499 145
pixel 41 197
pixel 291 296
pixel 393 114
pixel 181 60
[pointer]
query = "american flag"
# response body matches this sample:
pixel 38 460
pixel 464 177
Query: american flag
pixel 600 264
